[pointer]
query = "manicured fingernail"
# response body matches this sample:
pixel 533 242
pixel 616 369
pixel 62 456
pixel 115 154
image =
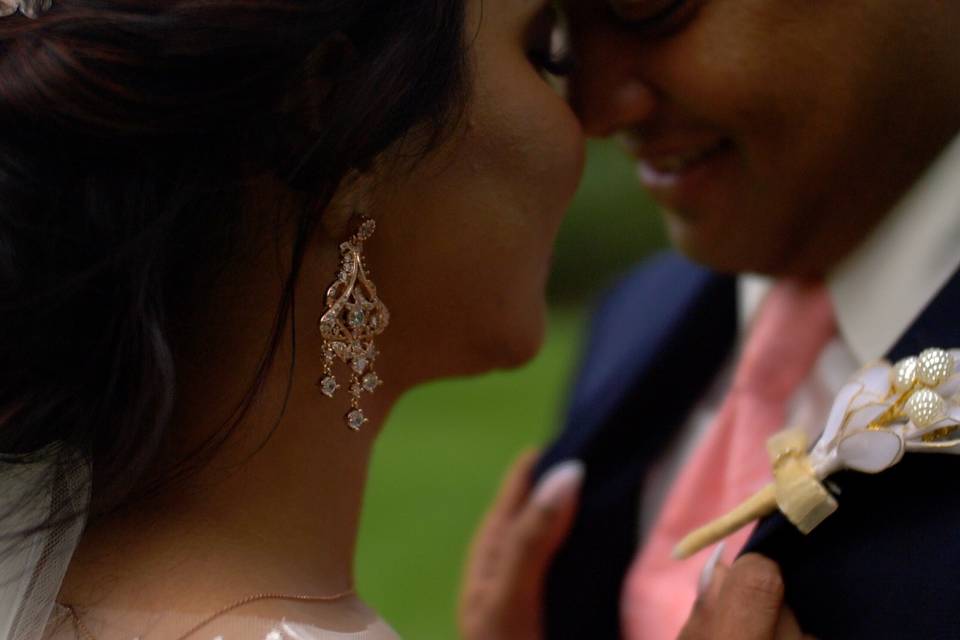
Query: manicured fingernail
pixel 706 575
pixel 558 483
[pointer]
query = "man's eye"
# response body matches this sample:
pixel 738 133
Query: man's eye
pixel 655 16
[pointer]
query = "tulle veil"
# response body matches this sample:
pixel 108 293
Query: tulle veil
pixel 42 497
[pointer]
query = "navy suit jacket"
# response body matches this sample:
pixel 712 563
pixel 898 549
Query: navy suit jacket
pixel 885 565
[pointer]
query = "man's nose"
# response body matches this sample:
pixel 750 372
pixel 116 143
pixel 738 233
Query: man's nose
pixel 607 90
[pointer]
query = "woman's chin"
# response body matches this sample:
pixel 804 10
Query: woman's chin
pixel 498 348
pixel 520 342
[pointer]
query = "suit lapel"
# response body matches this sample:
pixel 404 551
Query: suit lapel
pixel 639 361
pixel 656 343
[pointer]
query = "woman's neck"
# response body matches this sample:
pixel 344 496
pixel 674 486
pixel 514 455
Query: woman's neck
pixel 276 510
pixel 284 521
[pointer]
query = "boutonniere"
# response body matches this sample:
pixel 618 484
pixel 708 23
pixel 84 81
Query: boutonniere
pixel 884 412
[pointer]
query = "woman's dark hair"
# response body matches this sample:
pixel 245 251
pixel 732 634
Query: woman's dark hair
pixel 129 131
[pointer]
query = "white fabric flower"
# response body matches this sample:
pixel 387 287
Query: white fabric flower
pixel 888 410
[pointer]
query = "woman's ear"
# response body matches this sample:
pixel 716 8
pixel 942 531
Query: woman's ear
pixel 297 134
pixel 353 196
pixel 306 100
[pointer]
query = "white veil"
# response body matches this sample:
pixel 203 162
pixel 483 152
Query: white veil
pixel 38 492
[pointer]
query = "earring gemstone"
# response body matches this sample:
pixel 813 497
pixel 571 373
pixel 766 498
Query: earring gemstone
pixel 360 364
pixel 357 318
pixel 329 386
pixel 355 419
pixel 371 381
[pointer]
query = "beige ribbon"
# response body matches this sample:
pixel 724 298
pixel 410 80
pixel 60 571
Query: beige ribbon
pixel 799 493
pixel 795 490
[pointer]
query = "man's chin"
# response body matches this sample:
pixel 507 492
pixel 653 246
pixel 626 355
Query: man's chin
pixel 720 249
pixel 688 238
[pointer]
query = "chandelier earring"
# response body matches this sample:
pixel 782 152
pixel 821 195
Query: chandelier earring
pixel 354 317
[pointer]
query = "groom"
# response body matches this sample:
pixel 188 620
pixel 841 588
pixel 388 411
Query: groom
pixel 807 156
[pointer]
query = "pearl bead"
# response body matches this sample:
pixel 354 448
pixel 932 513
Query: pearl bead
pixel 904 374
pixel 925 407
pixel 934 367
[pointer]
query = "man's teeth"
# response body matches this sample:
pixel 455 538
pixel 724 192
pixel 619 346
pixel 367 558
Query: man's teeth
pixel 674 164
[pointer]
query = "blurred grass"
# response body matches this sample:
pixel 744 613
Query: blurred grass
pixel 440 459
pixel 436 467
pixel 611 224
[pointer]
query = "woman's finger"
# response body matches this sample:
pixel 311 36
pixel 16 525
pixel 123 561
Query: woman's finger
pixel 700 624
pixel 742 602
pixel 708 573
pixel 751 600
pixel 788 628
pixel 540 528
pixel 514 488
pixel 502 593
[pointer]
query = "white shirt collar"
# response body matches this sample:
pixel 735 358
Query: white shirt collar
pixel 881 288
pixel 752 288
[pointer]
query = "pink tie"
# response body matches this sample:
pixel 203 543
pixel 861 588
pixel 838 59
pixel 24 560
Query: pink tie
pixel 791 329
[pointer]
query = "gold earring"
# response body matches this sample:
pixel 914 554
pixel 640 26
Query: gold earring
pixel 354 317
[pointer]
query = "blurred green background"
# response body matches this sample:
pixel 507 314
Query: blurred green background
pixel 440 459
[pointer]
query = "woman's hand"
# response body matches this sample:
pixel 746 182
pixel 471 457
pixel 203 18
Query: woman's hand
pixel 743 602
pixel 502 595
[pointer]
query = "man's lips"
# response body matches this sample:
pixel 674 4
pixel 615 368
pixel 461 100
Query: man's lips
pixel 678 159
pixel 677 169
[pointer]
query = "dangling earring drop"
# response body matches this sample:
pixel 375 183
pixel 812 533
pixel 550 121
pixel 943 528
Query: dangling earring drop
pixel 354 317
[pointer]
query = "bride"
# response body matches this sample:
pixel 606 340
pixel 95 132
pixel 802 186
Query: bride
pixel 232 235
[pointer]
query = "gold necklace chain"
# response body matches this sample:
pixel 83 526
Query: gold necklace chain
pixel 85 632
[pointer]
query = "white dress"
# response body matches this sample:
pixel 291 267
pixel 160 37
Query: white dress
pixel 32 571
pixel 363 625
